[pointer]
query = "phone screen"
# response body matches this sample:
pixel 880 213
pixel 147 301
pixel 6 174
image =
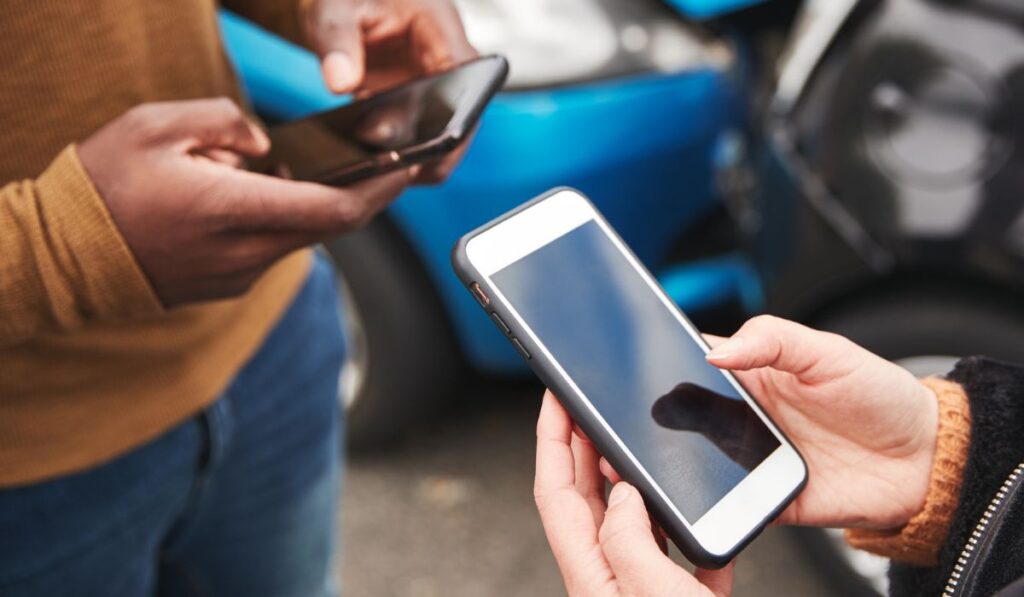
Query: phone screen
pixel 638 366
pixel 392 120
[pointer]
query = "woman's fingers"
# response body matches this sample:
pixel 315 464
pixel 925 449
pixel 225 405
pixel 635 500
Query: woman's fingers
pixel 767 341
pixel 718 581
pixel 589 480
pixel 659 536
pixel 566 515
pixel 609 473
pixel 555 469
pixel 713 340
pixel 627 539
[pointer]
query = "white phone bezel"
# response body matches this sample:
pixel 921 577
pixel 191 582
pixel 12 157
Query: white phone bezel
pixel 728 522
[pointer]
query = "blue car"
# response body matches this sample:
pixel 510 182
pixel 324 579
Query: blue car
pixel 623 99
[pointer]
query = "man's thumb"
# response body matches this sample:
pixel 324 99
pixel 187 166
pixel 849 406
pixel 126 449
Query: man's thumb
pixel 338 39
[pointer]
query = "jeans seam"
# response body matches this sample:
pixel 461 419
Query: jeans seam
pixel 183 525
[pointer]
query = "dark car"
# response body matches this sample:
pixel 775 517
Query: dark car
pixel 887 201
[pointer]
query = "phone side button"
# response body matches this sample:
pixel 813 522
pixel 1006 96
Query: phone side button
pixel 479 294
pixel 522 349
pixel 501 324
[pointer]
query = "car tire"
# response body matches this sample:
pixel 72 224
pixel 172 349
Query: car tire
pixel 925 327
pixel 403 360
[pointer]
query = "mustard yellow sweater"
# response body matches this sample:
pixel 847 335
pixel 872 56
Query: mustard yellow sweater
pixel 91 365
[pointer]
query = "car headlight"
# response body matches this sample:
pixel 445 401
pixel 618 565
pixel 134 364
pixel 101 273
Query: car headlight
pixel 557 42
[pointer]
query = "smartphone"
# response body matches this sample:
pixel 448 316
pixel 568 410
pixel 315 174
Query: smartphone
pixel 598 330
pixel 418 121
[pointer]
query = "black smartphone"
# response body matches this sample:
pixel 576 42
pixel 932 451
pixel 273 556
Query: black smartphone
pixel 630 368
pixel 418 121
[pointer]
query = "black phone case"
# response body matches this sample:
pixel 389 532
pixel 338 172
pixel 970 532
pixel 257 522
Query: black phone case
pixel 436 148
pixel 551 378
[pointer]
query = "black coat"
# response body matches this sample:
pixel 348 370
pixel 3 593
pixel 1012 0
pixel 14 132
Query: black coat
pixel 984 552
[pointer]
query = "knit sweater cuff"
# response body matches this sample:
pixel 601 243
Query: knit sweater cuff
pixel 98 267
pixel 919 541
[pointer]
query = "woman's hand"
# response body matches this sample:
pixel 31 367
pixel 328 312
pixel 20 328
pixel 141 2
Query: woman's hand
pixel 866 427
pixel 603 548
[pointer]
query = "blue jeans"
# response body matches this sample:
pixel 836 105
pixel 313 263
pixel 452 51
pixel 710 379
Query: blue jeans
pixel 239 500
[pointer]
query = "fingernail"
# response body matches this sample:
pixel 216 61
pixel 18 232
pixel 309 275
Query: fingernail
pixel 339 71
pixel 725 349
pixel 619 494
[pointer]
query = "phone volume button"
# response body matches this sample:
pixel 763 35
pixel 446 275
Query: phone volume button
pixel 519 347
pixel 498 321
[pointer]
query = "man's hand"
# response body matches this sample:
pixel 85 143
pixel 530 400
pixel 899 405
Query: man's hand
pixel 200 228
pixel 367 45
pixel 603 549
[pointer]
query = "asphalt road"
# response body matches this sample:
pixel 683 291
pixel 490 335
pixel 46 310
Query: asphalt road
pixel 449 512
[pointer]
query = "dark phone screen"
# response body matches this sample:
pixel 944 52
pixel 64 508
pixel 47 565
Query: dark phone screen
pixel 392 120
pixel 638 366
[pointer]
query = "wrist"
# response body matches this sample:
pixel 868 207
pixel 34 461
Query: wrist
pixel 922 461
pixel 918 540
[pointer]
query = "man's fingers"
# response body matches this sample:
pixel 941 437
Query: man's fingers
pixel 260 202
pixel 767 341
pixel 632 552
pixel 719 581
pixel 222 156
pixel 438 38
pixel 200 124
pixel 438 172
pixel 336 34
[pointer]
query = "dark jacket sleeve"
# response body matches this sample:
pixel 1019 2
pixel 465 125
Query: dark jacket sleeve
pixel 996 393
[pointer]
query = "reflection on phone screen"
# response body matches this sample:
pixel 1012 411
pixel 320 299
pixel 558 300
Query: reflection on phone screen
pixel 393 120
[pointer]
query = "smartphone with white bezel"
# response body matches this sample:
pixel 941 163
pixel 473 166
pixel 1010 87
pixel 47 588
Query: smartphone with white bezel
pixel 598 330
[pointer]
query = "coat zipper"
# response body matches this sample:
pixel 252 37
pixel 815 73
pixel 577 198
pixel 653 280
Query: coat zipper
pixel 953 586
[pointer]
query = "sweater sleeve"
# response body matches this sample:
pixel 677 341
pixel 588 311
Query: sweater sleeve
pixel 283 17
pixel 995 391
pixel 919 541
pixel 62 260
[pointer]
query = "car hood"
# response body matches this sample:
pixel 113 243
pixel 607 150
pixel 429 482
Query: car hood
pixel 709 9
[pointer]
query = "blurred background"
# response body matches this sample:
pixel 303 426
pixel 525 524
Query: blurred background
pixel 852 165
